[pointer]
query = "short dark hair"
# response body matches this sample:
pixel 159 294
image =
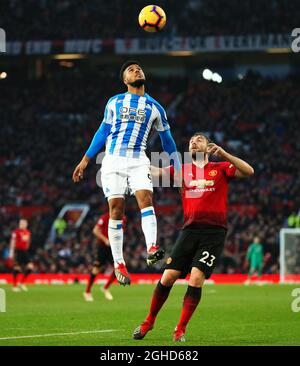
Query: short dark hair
pixel 125 65
pixel 202 134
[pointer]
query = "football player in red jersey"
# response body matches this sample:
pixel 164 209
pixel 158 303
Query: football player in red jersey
pixel 19 246
pixel 202 237
pixel 103 257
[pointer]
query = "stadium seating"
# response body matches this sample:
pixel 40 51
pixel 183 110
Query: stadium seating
pixel 56 19
pixel 53 121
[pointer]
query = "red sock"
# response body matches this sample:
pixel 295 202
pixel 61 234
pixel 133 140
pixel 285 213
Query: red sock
pixel 110 280
pixel 90 283
pixel 26 274
pixel 15 276
pixel 159 297
pixel 190 302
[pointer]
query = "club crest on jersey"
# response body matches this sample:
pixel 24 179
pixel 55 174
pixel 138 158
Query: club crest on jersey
pixel 202 183
pixel 213 173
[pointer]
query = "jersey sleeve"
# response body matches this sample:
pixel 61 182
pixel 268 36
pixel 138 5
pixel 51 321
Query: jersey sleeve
pixel 161 122
pixel 229 169
pixel 100 223
pixel 108 112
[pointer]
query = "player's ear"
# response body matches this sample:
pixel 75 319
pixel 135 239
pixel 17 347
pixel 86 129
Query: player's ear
pixel 125 80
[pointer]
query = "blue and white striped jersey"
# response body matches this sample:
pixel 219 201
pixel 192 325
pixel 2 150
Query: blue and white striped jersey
pixel 131 118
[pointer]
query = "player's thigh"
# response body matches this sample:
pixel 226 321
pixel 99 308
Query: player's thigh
pixel 209 251
pixel 114 175
pixel 22 258
pixel 183 252
pixel 139 175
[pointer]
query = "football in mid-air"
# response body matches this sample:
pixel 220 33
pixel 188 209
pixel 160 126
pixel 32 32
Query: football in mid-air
pixel 152 18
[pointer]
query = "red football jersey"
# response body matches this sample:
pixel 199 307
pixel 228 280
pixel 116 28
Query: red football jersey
pixel 22 238
pixel 204 193
pixel 102 223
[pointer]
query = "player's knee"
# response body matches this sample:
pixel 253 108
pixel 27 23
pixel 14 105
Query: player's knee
pixel 197 278
pixel 96 268
pixel 169 277
pixel 116 211
pixel 145 200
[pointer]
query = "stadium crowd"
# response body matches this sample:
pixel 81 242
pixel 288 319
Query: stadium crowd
pixel 50 122
pixel 34 19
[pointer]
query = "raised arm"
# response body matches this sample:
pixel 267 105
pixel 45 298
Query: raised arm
pixel 97 143
pixel 95 146
pixel 169 146
pixel 243 169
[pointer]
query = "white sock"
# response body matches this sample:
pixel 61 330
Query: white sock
pixel 149 226
pixel 115 236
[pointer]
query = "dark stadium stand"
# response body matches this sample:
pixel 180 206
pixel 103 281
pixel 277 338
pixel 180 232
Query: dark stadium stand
pixel 49 124
pixel 56 19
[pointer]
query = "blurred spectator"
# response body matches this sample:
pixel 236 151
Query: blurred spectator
pixel 293 220
pixel 60 226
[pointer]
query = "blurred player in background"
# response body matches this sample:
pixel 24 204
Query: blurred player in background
pixel 255 258
pixel 19 246
pixel 201 240
pixel 103 258
pixel 128 120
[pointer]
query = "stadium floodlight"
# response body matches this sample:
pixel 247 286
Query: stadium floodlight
pixel 207 74
pixel 3 75
pixel 289 255
pixel 216 77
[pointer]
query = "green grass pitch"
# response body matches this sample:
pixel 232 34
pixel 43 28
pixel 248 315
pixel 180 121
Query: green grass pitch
pixel 227 315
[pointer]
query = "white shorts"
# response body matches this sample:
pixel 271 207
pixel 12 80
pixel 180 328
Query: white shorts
pixel 121 175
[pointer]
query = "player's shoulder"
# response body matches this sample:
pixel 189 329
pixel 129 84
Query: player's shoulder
pixel 104 217
pixel 218 165
pixel 153 101
pixel 115 97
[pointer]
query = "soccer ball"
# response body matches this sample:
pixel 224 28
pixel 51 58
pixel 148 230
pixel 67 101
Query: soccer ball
pixel 152 18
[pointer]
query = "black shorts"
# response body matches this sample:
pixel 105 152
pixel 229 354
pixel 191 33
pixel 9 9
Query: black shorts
pixel 103 256
pixel 200 248
pixel 21 257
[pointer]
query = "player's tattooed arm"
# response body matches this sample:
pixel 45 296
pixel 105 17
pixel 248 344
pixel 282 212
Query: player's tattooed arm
pixel 78 172
pixel 243 169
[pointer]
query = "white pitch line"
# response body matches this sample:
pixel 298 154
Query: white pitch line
pixel 59 334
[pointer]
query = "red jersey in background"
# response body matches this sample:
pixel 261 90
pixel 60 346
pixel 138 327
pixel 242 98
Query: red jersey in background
pixel 102 223
pixel 22 238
